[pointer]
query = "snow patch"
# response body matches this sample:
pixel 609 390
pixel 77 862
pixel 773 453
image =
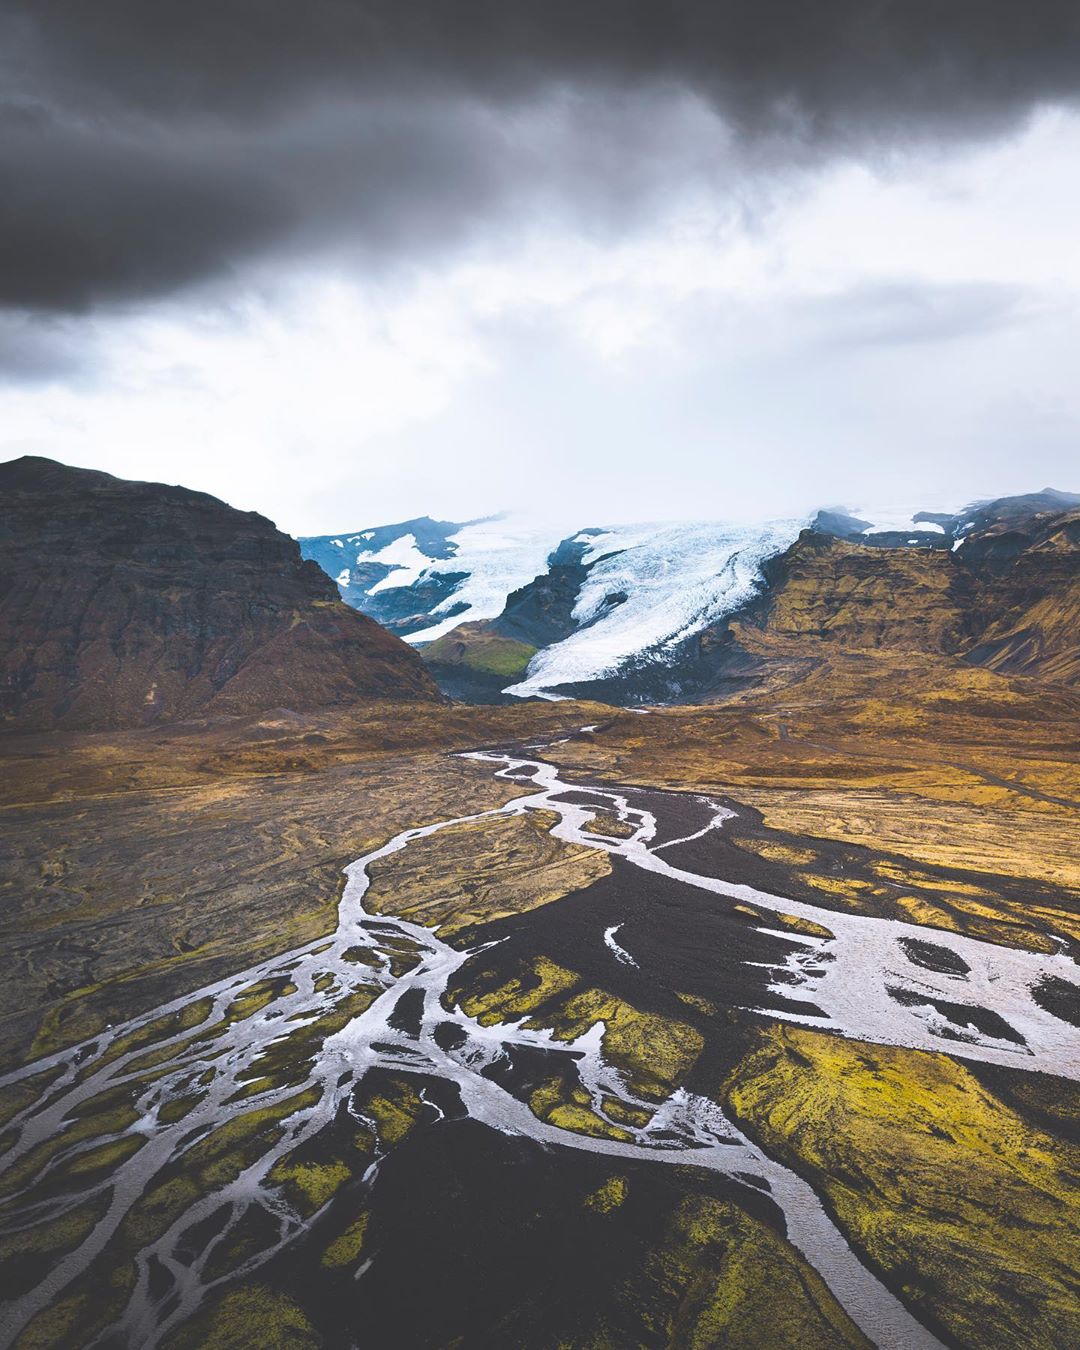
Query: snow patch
pixel 404 557
pixel 500 556
pixel 898 520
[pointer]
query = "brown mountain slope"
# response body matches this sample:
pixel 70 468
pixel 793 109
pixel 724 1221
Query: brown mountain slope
pixel 127 603
pixel 1007 598
pixel 1036 594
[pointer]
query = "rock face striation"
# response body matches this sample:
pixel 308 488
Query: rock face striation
pixel 1004 596
pixel 126 603
pixel 996 586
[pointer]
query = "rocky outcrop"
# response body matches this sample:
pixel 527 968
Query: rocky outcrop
pixel 477 661
pixel 1030 592
pixel 1002 593
pixel 126 603
pixel 1006 596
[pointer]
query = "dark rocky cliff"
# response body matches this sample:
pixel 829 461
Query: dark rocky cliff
pixel 127 603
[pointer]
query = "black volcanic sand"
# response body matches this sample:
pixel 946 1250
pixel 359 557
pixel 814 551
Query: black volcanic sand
pixel 726 854
pixel 484 1239
pixel 722 854
pixel 684 940
pixel 676 815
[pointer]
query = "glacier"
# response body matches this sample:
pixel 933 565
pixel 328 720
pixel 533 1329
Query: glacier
pixel 676 580
pixel 500 556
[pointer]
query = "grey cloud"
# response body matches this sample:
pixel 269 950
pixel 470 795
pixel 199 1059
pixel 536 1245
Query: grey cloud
pixel 904 312
pixel 145 147
pixel 36 348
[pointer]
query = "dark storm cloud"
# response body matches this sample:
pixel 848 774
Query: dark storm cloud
pixel 145 146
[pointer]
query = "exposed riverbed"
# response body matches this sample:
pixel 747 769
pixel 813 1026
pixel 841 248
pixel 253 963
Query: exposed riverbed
pixel 299 1033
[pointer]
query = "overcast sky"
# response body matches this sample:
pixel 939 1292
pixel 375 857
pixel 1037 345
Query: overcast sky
pixel 351 261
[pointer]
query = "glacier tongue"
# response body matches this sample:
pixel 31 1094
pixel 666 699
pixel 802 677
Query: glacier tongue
pixel 676 579
pixel 499 556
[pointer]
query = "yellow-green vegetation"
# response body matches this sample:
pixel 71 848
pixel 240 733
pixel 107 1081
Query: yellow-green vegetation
pixel 655 1053
pixel 99 1295
pixel 775 851
pixel 108 1113
pixel 347 1248
pixel 288 1059
pixel 117 844
pixel 223 1154
pixel 179 1107
pixel 102 1158
pixel 805 927
pixel 256 996
pixel 974 1213
pixel 475 647
pixel 480 871
pixel 623 1113
pixel 719 1277
pixel 253 1315
pixel 51 1239
pixel 62 1024
pixel 394 1107
pixel 607 1197
pixel 18 1096
pixel 309 1185
pixel 699 1004
pixel 569 1107
pixel 55 1325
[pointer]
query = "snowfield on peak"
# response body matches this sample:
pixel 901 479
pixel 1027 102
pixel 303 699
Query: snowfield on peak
pixel 649 586
pixel 500 556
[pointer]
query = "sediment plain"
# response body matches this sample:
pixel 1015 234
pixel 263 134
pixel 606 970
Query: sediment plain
pixel 752 1023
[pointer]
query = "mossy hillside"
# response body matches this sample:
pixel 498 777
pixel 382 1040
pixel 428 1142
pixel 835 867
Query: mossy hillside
pixel 252 1315
pixel 476 648
pixel 714 1275
pixel 972 1213
pixel 654 1053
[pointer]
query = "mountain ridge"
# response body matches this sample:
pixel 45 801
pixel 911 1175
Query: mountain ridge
pixel 991 558
pixel 125 603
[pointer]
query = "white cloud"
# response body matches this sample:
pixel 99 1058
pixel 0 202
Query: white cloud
pixel 850 328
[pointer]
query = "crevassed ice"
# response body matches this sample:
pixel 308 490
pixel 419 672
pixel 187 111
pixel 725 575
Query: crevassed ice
pixel 676 580
pixel 500 556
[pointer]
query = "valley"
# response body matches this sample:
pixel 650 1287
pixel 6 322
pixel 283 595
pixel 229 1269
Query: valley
pixel 539 675
pixel 661 983
pixel 744 1021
